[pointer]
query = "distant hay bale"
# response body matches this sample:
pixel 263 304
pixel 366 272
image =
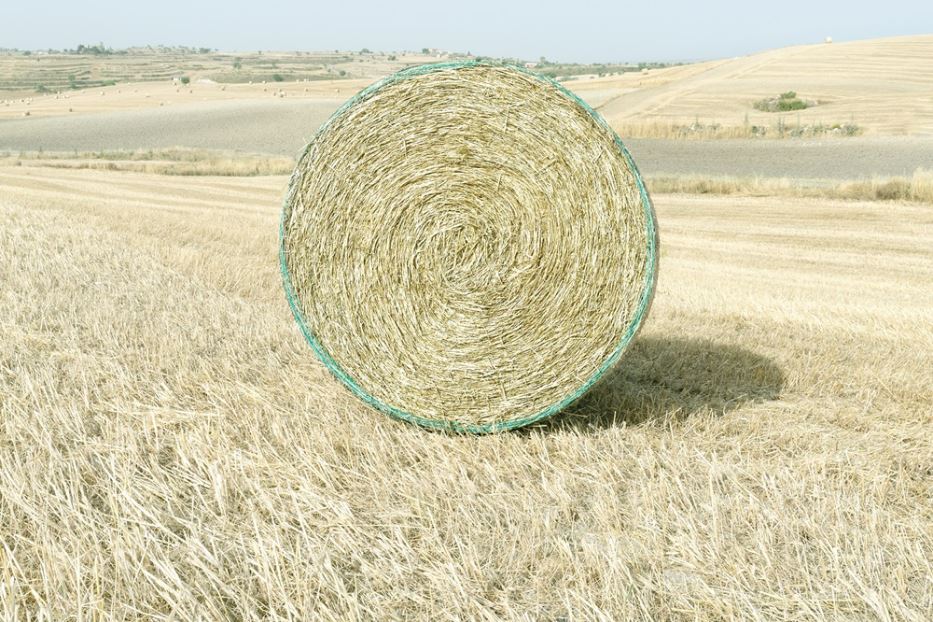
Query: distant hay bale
pixel 468 246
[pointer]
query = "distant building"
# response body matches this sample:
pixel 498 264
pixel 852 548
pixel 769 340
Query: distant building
pixel 829 39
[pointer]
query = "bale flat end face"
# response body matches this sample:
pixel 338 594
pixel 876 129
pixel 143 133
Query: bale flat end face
pixel 468 246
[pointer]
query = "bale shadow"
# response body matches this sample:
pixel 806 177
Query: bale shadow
pixel 661 379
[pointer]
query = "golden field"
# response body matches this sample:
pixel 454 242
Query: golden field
pixel 143 95
pixel 173 451
pixel 883 86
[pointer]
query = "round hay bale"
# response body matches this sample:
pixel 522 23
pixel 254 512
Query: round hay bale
pixel 468 246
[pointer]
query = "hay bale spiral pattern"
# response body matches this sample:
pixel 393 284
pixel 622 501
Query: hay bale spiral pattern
pixel 467 246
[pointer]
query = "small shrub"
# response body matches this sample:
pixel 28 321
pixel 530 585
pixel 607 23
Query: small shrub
pixel 785 102
pixel 277 77
pixel 785 105
pixel 893 190
pixel 851 129
pixel 98 49
pixel 43 89
pixel 185 80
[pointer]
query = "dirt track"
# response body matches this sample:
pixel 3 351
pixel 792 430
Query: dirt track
pixel 283 127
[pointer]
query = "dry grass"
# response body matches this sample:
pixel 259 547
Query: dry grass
pixel 171 449
pixel 917 187
pixel 176 161
pixel 783 127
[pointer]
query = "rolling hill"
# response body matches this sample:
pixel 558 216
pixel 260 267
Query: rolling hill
pixel 885 86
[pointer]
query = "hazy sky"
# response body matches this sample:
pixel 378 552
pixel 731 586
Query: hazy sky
pixel 585 31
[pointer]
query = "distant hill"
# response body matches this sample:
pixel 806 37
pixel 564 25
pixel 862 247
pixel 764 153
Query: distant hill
pixel 883 86
pixel 50 72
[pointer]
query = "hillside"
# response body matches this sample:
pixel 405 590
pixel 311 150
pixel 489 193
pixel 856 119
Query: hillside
pixel 24 73
pixel 884 86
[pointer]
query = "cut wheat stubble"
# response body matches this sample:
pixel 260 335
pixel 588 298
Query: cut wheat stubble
pixel 468 246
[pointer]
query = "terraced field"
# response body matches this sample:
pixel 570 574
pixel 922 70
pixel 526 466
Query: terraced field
pixel 20 74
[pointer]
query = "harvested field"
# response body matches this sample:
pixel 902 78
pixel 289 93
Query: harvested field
pixel 172 450
pixel 881 85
